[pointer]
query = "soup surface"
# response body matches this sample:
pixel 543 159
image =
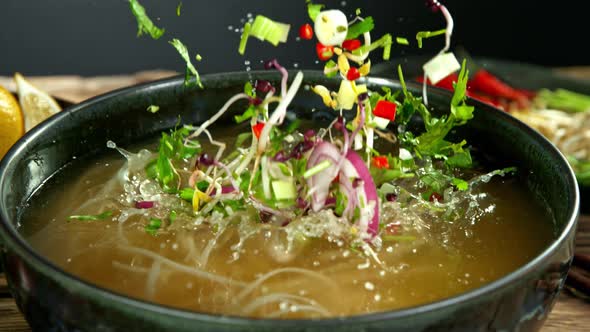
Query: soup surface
pixel 237 265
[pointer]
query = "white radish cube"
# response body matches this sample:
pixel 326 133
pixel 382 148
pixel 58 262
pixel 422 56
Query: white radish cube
pixel 440 67
pixel 380 122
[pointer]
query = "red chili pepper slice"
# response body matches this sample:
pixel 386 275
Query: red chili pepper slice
pixel 257 129
pixel 393 228
pixel 446 83
pixel 483 81
pixel 353 74
pixel 385 109
pixel 324 52
pixel 351 44
pixel 380 162
pixel 306 31
pixel 435 197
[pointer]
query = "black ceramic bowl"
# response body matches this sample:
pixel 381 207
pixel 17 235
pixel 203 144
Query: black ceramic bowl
pixel 54 300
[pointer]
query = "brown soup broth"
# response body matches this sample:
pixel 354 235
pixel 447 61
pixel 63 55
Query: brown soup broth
pixel 245 268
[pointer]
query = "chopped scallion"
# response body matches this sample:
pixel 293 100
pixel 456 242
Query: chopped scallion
pixel 317 168
pixel 264 29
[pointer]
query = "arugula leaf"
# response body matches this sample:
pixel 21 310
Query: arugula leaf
pixel 95 217
pixel 360 27
pixel 144 23
pixel 190 68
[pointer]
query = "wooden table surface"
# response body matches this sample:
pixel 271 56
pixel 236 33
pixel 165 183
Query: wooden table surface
pixel 569 313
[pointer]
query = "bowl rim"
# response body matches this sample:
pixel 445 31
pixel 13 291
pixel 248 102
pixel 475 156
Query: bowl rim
pixel 12 239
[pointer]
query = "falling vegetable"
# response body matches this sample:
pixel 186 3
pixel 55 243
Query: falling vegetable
pixel 144 23
pixel 190 68
pixel 264 29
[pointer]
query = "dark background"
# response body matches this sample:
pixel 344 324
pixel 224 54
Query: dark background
pixel 98 37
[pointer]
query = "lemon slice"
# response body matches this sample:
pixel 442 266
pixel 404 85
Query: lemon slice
pixel 11 121
pixel 36 104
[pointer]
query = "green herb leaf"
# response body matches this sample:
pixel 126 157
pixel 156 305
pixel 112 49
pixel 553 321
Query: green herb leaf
pixel 436 180
pixel 190 68
pixel 178 9
pixel 153 108
pixel 187 194
pixel 153 226
pixel 459 109
pixel 95 217
pixel 241 139
pixel 330 69
pixel 172 148
pixel 249 89
pixel 313 10
pixel 460 184
pixel 341 202
pixel 144 23
pixel 202 185
pixel 247 115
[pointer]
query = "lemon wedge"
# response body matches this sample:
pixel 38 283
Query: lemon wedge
pixel 11 121
pixel 35 103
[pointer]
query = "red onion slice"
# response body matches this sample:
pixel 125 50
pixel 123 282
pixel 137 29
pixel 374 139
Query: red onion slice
pixel 144 204
pixel 369 189
pixel 320 182
pixel 352 167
